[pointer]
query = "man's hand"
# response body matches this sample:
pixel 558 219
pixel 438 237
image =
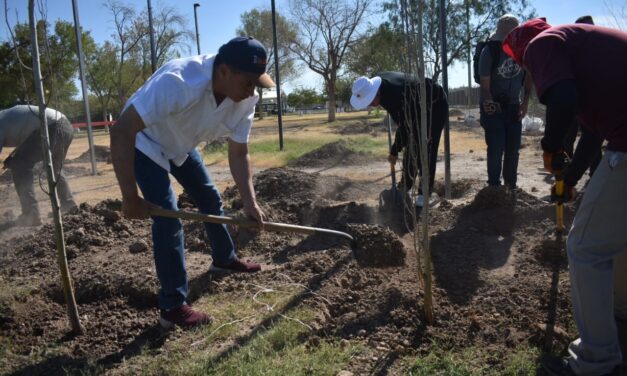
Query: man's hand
pixel 392 158
pixel 555 163
pixel 136 208
pixel 254 212
pixel 490 107
pixel 569 194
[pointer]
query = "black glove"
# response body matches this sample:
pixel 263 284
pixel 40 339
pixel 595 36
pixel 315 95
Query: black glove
pixel 555 163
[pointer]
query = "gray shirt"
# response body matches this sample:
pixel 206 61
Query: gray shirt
pixel 19 122
pixel 507 79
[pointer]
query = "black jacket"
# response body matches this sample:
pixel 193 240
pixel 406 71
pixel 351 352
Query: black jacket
pixel 400 97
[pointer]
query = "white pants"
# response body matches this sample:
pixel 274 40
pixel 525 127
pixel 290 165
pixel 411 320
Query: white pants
pixel 597 246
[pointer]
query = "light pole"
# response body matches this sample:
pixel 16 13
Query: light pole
pixel 196 5
pixel 81 70
pixel 277 78
pixel 153 53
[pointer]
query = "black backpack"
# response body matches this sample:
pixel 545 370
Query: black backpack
pixel 495 50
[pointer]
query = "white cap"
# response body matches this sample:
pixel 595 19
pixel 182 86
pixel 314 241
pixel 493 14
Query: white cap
pixel 364 91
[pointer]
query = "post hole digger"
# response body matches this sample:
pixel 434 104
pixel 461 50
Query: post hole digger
pixel 557 163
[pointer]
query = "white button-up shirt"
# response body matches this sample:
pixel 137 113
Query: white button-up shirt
pixel 179 110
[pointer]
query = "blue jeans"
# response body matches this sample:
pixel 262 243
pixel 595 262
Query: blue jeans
pixel 167 233
pixel 502 135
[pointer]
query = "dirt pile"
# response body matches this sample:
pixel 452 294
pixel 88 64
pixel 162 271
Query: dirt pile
pixel 362 127
pixel 102 154
pixel 332 154
pixel 377 246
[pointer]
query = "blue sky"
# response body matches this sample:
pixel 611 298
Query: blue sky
pixel 218 20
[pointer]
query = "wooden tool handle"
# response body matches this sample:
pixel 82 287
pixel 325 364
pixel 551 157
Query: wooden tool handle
pixel 268 226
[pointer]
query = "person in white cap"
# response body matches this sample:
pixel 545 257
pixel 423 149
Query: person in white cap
pixel 398 93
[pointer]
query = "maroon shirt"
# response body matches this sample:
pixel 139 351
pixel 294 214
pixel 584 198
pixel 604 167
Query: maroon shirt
pixel 596 58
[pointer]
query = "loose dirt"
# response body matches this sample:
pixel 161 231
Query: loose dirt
pixel 332 154
pixel 500 275
pixel 102 154
pixel 492 258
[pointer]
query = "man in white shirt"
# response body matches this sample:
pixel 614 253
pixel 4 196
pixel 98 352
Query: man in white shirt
pixel 20 128
pixel 185 102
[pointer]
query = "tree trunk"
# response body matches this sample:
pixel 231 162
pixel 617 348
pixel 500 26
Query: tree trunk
pixel 260 92
pixel 331 91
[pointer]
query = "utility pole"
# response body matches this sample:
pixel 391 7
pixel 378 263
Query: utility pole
pixel 196 5
pixel 469 61
pixel 277 79
pixel 153 53
pixel 447 137
pixel 81 68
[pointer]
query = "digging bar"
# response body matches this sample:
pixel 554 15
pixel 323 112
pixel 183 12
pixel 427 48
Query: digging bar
pixel 268 226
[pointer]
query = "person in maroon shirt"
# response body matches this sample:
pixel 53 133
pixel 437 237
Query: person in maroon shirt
pixel 581 71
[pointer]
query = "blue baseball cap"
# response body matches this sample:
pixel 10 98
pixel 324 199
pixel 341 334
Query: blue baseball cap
pixel 248 55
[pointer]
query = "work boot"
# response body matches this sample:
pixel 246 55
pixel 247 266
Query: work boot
pixel 235 266
pixel 183 316
pixel 28 220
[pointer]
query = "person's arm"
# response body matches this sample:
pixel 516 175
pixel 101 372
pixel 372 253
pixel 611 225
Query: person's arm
pixel 524 105
pixel 241 170
pixel 561 103
pixel 587 148
pixel 123 135
pixel 485 81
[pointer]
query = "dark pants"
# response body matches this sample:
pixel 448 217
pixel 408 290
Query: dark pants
pixel 167 233
pixel 502 136
pixel 411 156
pixel 28 153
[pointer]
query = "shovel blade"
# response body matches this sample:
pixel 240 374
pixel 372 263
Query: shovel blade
pixel 390 199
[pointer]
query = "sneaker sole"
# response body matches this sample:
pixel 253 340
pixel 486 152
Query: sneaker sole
pixel 218 270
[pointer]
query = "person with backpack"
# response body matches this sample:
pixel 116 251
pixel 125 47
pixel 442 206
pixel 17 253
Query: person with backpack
pixel 571 80
pixel 501 81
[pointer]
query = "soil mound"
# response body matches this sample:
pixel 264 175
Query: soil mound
pixel 377 246
pixel 332 154
pixel 459 188
pixel 363 127
pixel 102 154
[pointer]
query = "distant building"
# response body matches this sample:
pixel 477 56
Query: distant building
pixel 268 103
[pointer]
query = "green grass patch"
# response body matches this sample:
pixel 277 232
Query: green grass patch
pixel 474 362
pixel 278 348
pixel 265 151
pixel 281 350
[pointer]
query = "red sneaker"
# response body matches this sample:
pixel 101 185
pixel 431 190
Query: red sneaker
pixel 183 316
pixel 236 266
